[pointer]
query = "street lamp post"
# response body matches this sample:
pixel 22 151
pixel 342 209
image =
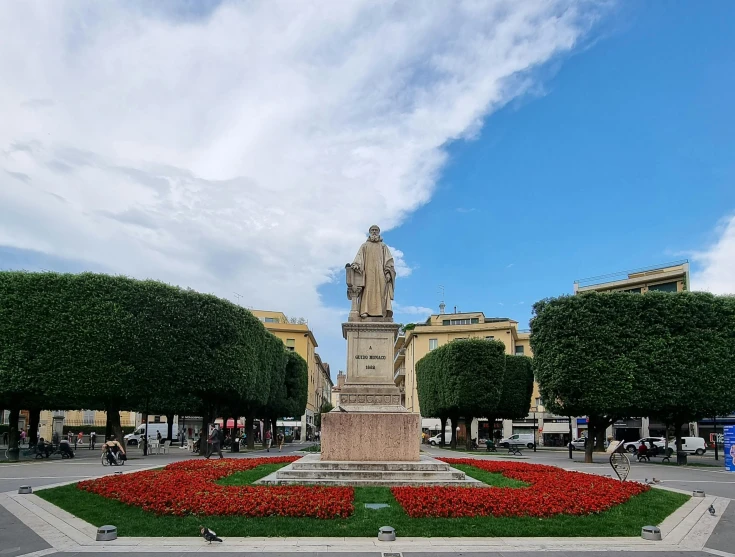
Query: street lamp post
pixel 571 438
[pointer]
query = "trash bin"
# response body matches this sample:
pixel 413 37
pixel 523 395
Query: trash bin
pixel 236 446
pixel 681 459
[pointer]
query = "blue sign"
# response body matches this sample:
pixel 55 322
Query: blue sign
pixel 730 448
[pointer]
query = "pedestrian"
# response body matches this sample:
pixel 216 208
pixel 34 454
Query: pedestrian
pixel 22 436
pixel 214 443
pixel 70 437
pixel 5 437
pixel 268 440
pixel 80 436
pixel 158 436
pixel 279 437
pixel 92 439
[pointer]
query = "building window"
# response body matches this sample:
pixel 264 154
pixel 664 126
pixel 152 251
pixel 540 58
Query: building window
pixel 88 417
pixel 270 320
pixel 156 419
pixel 291 344
pixel 490 338
pixel 519 350
pixel 459 321
pixel 433 343
pixel 665 287
pixel 633 290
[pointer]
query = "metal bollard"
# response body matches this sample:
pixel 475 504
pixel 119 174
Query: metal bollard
pixel 651 533
pixel 387 534
pixel 106 533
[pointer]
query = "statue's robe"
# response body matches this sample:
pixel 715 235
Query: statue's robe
pixel 375 260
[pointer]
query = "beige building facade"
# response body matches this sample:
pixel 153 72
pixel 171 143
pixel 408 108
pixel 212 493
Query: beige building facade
pixel 297 337
pixel 87 418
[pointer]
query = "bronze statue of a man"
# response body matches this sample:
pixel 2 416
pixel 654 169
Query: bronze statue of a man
pixel 375 263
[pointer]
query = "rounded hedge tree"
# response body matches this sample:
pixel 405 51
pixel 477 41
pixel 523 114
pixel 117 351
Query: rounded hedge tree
pixel 103 342
pixel 615 355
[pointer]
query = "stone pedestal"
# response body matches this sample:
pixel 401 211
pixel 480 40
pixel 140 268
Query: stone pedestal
pixel 369 423
pixel 371 436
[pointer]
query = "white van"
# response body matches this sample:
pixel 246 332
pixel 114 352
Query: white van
pixel 135 437
pixel 693 445
pixel 517 439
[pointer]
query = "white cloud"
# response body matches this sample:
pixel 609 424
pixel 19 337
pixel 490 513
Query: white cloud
pixel 402 268
pixel 420 311
pixel 716 264
pixel 249 150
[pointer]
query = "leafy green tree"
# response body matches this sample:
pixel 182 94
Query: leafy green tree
pixel 464 379
pixel 615 355
pixel 325 408
pixel 514 402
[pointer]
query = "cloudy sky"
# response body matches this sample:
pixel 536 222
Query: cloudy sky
pixel 244 148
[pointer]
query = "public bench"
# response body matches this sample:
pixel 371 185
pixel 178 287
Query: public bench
pixel 656 452
pixel 515 448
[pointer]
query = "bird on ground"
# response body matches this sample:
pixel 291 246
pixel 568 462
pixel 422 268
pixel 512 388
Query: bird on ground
pixel 656 481
pixel 208 535
pixel 711 510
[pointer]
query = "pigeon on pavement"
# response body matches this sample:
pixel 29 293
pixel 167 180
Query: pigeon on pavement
pixel 711 510
pixel 209 535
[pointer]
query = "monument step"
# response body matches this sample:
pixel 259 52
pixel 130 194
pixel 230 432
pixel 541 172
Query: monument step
pixel 352 475
pixel 374 483
pixel 435 466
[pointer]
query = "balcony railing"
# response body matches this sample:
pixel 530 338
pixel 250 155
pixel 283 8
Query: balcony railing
pixel 399 375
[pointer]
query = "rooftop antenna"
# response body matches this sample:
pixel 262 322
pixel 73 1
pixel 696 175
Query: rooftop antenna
pixel 238 296
pixel 442 305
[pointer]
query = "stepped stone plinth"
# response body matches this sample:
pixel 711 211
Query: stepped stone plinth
pixel 426 471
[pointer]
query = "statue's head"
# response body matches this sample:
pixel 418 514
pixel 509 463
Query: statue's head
pixel 374 233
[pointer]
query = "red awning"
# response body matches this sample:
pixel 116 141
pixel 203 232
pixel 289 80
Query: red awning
pixel 231 423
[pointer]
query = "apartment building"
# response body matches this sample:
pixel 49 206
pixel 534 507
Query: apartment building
pixel 297 337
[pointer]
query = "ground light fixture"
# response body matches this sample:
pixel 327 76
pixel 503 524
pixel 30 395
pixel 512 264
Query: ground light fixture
pixel 651 533
pixel 387 534
pixel 697 493
pixel 25 489
pixel 106 533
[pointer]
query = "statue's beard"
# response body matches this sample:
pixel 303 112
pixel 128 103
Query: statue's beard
pixel 375 238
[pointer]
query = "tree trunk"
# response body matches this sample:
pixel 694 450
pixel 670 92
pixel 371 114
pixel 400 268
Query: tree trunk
pixel 249 436
pixel 468 432
pixel 274 430
pixel 204 432
pixel 113 426
pixel 33 423
pixel 589 445
pixel 443 420
pixel 170 423
pixel 677 433
pixel 13 435
pixel 600 440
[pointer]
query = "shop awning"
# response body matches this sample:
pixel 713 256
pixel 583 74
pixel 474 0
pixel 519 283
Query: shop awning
pixel 554 428
pixel 288 423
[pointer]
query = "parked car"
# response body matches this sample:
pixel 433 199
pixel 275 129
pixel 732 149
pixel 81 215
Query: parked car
pixel 517 439
pixel 578 444
pixel 632 446
pixel 153 428
pixel 694 445
pixel 437 439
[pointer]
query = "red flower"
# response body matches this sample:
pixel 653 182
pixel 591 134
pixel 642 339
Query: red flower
pixel 551 491
pixel 189 487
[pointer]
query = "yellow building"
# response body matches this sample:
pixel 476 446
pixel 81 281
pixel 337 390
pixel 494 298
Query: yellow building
pixel 324 383
pixel 297 337
pixel 438 330
pixel 75 418
pixel 669 277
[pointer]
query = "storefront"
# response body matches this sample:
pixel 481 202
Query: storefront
pixel 712 430
pixel 554 432
pixel 484 433
pixel 582 426
pixel 627 430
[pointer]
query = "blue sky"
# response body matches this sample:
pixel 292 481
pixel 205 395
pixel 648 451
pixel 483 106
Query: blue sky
pixel 625 160
pixel 506 148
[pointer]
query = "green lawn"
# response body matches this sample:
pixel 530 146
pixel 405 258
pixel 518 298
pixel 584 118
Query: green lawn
pixel 625 520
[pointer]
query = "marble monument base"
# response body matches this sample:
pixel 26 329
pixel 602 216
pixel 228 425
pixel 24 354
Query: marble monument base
pixel 371 436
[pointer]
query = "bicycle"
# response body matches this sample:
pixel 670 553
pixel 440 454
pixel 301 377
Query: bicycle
pixel 106 461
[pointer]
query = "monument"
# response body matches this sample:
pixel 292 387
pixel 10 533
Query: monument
pixel 369 422
pixel 370 439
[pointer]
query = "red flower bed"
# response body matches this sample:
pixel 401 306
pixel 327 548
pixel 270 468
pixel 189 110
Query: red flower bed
pixel 189 487
pixel 551 491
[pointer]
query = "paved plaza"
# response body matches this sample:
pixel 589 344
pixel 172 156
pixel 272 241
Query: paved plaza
pixel 45 530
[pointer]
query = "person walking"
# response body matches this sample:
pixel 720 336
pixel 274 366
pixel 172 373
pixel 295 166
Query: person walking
pixel 79 440
pixel 22 436
pixel 279 438
pixel 268 440
pixel 92 440
pixel 215 444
